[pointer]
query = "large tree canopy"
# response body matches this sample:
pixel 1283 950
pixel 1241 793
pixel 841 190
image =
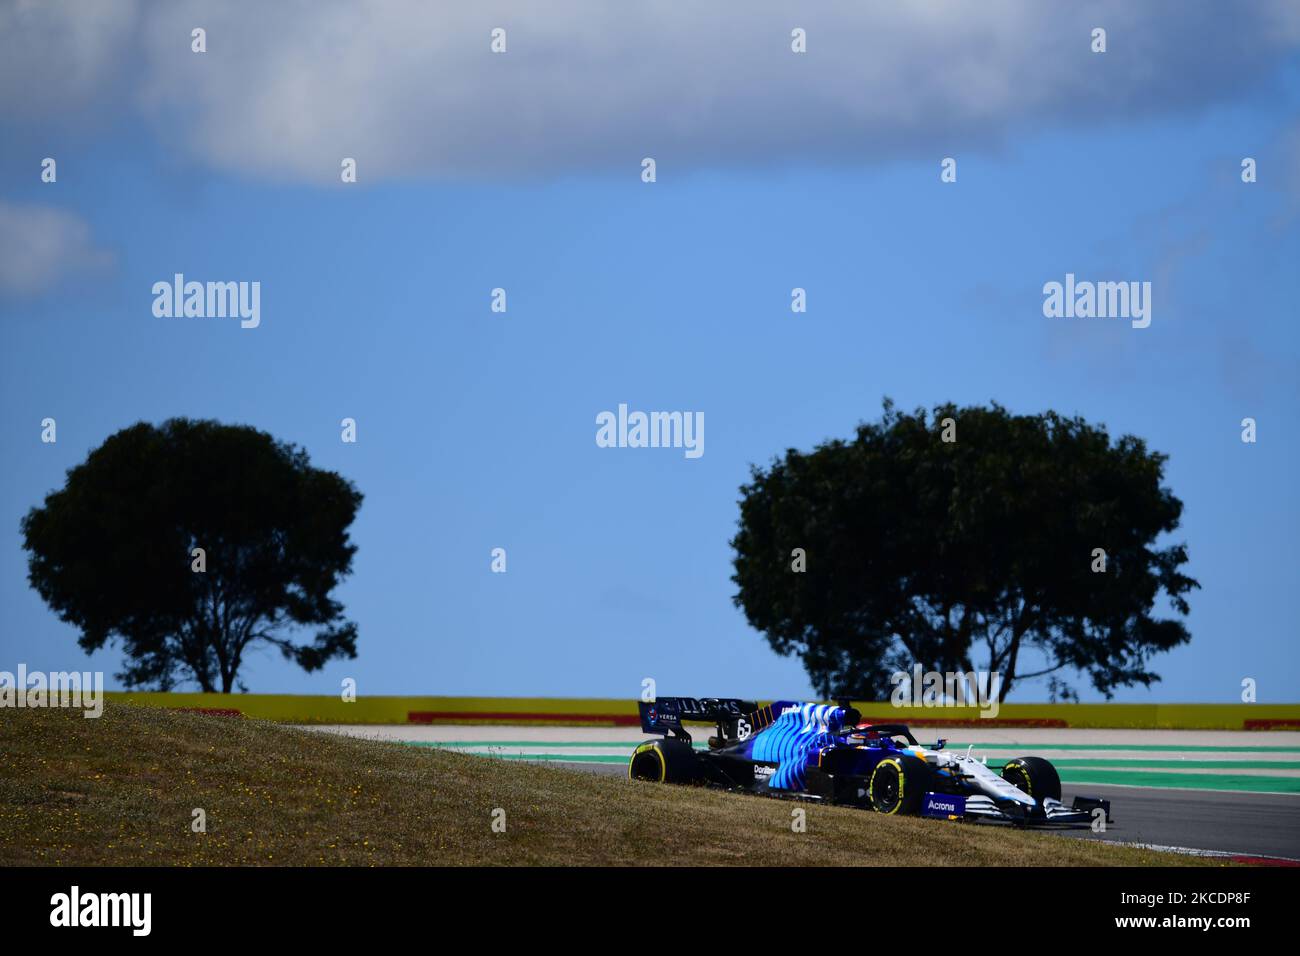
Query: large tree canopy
pixel 113 551
pixel 979 552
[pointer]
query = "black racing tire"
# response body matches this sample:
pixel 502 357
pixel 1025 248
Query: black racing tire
pixel 898 784
pixel 1035 776
pixel 665 761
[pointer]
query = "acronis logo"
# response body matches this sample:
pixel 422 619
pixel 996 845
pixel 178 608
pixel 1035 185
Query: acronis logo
pixel 943 805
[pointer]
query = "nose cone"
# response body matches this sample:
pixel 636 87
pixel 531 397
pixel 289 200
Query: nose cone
pixel 1010 792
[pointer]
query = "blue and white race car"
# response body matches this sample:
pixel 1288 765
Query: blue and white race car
pixel 824 752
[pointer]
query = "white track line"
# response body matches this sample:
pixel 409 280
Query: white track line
pixel 1192 851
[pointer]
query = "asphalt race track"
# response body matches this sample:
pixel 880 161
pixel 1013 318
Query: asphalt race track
pixel 1240 823
pixel 1224 792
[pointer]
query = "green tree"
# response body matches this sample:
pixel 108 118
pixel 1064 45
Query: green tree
pixel 112 552
pixel 979 550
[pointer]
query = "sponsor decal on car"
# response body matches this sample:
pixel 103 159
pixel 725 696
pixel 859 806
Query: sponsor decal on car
pixel 944 806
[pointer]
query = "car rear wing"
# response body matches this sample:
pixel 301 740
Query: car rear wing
pixel 664 715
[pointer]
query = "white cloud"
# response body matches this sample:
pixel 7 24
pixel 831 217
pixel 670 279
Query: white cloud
pixel 410 88
pixel 62 56
pixel 40 245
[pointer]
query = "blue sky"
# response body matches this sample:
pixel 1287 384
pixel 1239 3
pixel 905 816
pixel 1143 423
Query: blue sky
pixel 476 430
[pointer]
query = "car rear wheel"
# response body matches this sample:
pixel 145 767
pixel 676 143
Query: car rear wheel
pixel 1035 776
pixel 664 761
pixel 897 785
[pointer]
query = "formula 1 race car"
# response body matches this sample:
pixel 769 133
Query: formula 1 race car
pixel 824 752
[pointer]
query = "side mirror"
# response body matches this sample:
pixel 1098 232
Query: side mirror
pixel 940 743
